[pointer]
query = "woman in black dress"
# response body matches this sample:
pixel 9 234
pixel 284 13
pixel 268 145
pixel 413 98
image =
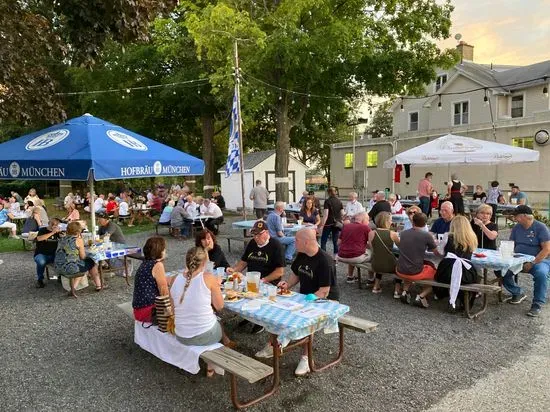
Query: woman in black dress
pixel 455 188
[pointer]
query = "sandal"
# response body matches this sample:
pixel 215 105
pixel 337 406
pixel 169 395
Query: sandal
pixel 405 298
pixel 421 302
pixel 377 291
pixel 210 373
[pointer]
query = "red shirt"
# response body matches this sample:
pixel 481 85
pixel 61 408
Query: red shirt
pixel 111 206
pixel 156 203
pixel 354 239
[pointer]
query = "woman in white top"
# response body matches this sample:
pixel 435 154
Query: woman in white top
pixel 195 295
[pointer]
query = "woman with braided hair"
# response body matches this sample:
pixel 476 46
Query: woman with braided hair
pixel 195 295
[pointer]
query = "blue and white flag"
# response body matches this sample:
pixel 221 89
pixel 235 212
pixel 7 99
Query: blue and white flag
pixel 233 155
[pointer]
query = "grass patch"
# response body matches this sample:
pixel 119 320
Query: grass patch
pixel 10 245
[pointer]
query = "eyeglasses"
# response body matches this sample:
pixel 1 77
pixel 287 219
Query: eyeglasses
pixel 411 213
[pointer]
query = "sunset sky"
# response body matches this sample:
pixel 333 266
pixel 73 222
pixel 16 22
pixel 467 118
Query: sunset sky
pixel 503 31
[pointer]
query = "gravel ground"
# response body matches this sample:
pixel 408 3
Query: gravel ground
pixel 59 352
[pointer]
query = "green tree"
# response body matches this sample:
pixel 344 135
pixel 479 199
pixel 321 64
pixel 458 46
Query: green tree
pixel 321 48
pixel 381 123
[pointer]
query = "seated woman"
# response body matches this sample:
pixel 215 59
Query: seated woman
pixel 411 211
pixel 479 194
pixel 411 265
pixel 150 280
pixel 73 215
pixel 207 240
pixel 309 213
pixel 30 225
pixel 195 295
pixel 396 207
pixel 40 215
pixel 383 260
pixel 461 244
pixel 434 202
pixel 71 261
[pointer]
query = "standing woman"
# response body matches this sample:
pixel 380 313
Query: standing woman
pixel 455 189
pixel 309 213
pixel 195 295
pixel 71 260
pixel 150 280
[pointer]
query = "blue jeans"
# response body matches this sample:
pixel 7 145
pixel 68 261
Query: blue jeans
pixel 424 204
pixel 290 246
pixel 541 276
pixel 41 262
pixel 327 230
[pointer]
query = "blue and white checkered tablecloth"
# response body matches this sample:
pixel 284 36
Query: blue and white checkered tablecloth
pixel 495 261
pixel 117 250
pixel 285 323
pixel 401 218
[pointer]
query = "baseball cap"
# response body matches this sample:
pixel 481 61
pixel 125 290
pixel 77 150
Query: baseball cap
pixel 102 215
pixel 259 227
pixel 522 210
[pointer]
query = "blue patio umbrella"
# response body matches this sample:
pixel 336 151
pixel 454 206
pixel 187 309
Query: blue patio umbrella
pixel 89 148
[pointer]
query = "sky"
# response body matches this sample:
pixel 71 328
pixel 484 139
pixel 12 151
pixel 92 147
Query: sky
pixel 503 31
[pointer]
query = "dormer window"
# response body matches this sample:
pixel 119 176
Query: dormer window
pixel 440 81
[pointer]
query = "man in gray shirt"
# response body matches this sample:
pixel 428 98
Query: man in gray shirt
pixel 259 196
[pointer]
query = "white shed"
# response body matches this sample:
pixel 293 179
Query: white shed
pixel 261 165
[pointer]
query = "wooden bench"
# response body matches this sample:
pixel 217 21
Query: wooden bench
pixel 166 224
pixel 366 267
pixel 357 324
pixel 469 288
pixel 234 363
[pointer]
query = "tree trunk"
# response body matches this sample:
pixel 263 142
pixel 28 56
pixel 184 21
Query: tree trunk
pixel 282 152
pixel 207 128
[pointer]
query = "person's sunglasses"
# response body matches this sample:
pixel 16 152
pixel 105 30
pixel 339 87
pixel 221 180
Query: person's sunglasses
pixel 411 213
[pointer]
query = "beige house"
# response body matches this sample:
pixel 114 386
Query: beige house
pixel 507 104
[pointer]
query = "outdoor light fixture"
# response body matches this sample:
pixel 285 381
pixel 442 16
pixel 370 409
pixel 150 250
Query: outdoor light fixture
pixel 545 91
pixel 485 99
pixel 402 108
pixel 439 107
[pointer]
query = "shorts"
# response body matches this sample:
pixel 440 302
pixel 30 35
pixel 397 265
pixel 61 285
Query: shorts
pixel 211 336
pixel 427 273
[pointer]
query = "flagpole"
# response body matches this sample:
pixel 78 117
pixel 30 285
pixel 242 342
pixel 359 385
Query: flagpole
pixel 239 124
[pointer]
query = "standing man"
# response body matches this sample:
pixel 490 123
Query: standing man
pixel 264 255
pixel 425 192
pixel 46 245
pixel 332 220
pixel 314 270
pixel 259 196
pixel 274 223
pixel 530 237
pixel 353 207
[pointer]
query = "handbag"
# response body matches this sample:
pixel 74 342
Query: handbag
pixel 163 309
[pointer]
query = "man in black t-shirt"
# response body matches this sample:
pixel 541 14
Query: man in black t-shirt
pixel 262 254
pixel 314 269
pixel 46 245
pixel 332 220
pixel 381 205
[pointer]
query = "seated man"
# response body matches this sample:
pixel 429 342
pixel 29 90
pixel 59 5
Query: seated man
pixel 381 205
pixel 353 243
pixel 411 265
pixel 274 223
pixel 209 208
pixel 314 270
pixel 46 245
pixel 99 204
pixel 353 207
pixel 180 221
pixel 5 223
pixel 443 224
pixel 518 197
pixel 165 216
pixel 531 237
pixel 218 199
pixel 108 227
pixel 262 254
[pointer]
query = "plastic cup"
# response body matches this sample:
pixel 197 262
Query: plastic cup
pixel 300 221
pixel 272 293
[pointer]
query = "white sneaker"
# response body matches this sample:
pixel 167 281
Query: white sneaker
pixel 266 352
pixel 303 367
pixel 15 237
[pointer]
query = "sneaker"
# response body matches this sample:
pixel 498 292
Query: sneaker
pixel 534 311
pixel 377 291
pixel 396 295
pixel 507 298
pixel 242 323
pixel 257 329
pixel 266 352
pixel 40 284
pixel 303 367
pixel 517 299
pixel 405 298
pixel 351 280
pixel 53 277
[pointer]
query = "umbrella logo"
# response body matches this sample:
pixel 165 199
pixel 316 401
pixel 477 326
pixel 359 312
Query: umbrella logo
pixel 157 167
pixel 14 169
pixel 126 140
pixel 47 140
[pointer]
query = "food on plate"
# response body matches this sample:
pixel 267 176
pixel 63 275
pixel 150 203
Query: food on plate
pixel 237 275
pixel 284 292
pixel 250 295
pixel 231 296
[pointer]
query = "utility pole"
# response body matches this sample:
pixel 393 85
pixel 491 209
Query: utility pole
pixel 239 125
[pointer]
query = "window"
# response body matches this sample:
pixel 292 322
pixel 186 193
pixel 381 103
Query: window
pixel 372 158
pixel 413 121
pixel 525 142
pixel 348 160
pixel 517 106
pixel 461 113
pixel 440 81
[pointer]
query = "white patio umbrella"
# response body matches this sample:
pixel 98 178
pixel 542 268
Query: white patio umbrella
pixel 452 149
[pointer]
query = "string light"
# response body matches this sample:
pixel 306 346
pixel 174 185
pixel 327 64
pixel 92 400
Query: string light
pixel 545 88
pixel 485 99
pixel 402 107
pixel 439 107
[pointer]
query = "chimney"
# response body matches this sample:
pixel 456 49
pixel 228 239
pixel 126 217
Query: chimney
pixel 466 51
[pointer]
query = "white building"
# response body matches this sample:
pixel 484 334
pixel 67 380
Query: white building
pixel 261 165
pixel 507 104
